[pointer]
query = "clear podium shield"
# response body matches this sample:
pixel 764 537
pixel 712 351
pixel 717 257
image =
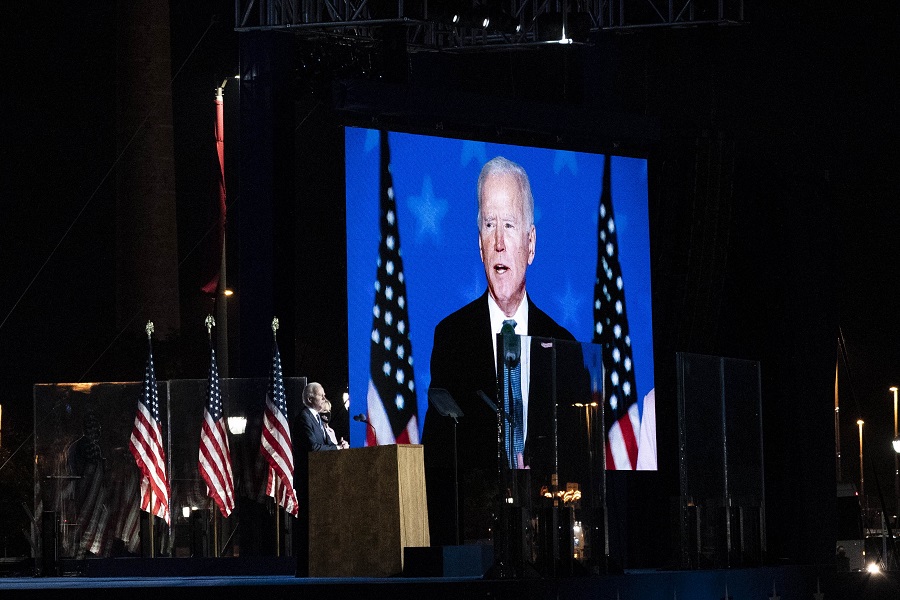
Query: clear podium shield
pixel 87 484
pixel 551 505
pixel 722 494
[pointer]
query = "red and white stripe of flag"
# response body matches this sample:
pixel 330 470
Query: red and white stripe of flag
pixel 215 463
pixel 276 444
pixel 147 448
pixel 622 441
pixel 381 432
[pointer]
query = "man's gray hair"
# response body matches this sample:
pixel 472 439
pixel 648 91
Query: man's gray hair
pixel 308 390
pixel 504 166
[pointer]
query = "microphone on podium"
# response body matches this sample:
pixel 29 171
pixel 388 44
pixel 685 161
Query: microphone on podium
pixel 512 347
pixel 512 354
pixel 362 418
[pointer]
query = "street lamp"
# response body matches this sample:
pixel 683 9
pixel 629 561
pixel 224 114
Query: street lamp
pixel 862 478
pixel 237 425
pixel 896 444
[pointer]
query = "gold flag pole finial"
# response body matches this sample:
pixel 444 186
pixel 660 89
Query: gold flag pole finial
pixel 275 326
pixel 149 328
pixel 210 323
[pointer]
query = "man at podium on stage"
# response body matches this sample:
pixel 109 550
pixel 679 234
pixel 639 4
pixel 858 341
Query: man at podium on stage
pixel 312 431
pixel 310 434
pixel 465 361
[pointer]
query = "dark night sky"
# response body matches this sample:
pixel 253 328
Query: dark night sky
pixel 820 71
pixel 60 161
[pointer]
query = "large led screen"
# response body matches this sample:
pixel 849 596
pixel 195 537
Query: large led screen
pixel 413 258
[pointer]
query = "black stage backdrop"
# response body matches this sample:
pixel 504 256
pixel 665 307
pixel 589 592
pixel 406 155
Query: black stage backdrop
pixel 765 169
pixel 742 246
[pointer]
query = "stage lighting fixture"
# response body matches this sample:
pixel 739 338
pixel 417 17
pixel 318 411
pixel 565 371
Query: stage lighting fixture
pixel 501 21
pixel 550 27
pixel 467 18
pixel 449 12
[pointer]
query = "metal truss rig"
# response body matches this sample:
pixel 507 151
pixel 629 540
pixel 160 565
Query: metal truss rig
pixel 478 24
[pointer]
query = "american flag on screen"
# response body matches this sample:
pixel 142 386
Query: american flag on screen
pixel 391 401
pixel 276 441
pixel 146 444
pixel 611 332
pixel 215 454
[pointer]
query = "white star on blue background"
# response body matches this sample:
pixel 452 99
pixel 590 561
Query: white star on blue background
pixel 429 211
pixel 563 159
pixel 476 151
pixel 569 304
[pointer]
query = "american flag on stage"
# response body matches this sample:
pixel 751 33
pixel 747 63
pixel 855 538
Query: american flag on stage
pixel 94 513
pixel 611 332
pixel 215 454
pixel 92 499
pixel 276 440
pixel 126 517
pixel 391 400
pixel 146 444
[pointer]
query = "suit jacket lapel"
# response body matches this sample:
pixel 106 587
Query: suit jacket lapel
pixel 485 348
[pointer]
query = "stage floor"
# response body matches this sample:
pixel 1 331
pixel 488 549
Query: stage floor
pixel 765 583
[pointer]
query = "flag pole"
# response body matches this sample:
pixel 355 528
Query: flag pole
pixel 221 297
pixel 275 442
pixel 275 326
pixel 150 512
pixel 277 526
pixel 149 329
pixel 210 323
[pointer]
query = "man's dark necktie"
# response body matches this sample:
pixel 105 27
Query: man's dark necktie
pixel 512 393
pixel 322 428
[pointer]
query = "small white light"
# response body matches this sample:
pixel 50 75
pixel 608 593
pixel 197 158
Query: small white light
pixel 237 425
pixel 873 568
pixel 896 445
pixel 185 511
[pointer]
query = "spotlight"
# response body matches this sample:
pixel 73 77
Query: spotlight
pixel 550 27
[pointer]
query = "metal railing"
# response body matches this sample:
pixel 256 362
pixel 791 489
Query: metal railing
pixel 460 24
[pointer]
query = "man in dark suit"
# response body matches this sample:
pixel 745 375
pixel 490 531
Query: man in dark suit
pixel 309 435
pixel 466 362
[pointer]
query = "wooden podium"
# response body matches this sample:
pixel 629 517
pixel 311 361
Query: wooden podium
pixel 365 506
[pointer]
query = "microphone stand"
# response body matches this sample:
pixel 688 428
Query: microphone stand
pixel 502 568
pixel 361 418
pixel 447 407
